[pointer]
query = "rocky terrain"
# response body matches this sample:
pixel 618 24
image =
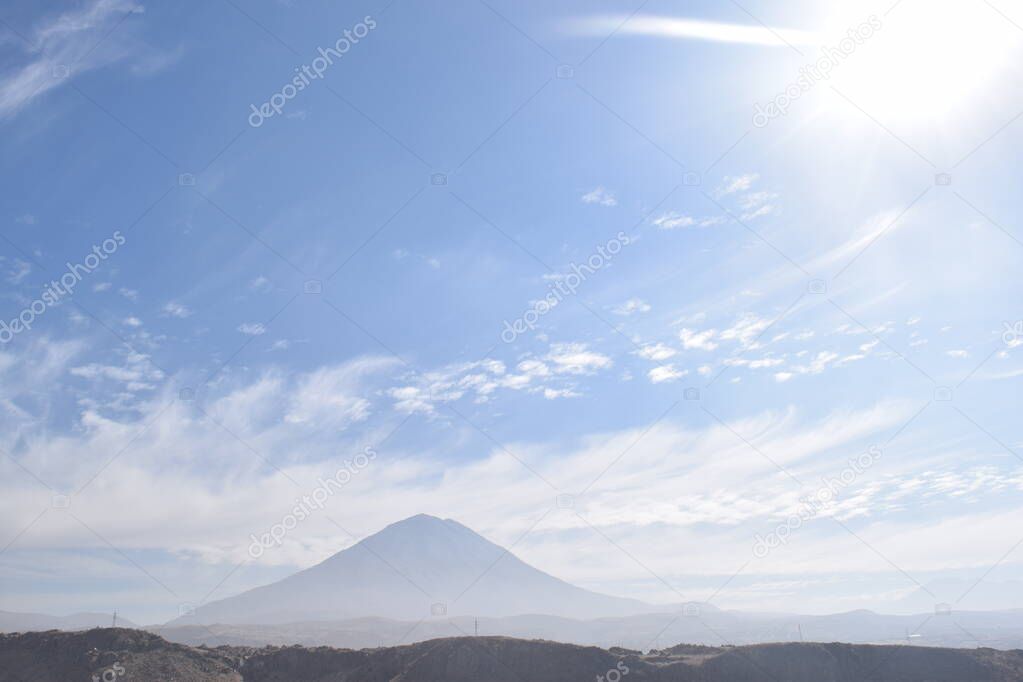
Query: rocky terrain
pixel 131 655
pixel 109 654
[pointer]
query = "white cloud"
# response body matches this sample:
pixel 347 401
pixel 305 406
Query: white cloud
pixel 764 362
pixel 178 310
pixel 666 373
pixel 599 196
pixel 136 373
pixel 328 397
pixel 252 328
pixel 555 393
pixel 746 330
pixel 533 368
pixel 961 354
pixel 760 212
pixel 821 361
pixel 673 220
pixel 261 284
pixel 739 183
pixel 753 200
pixel 818 364
pixel 576 358
pixel 633 305
pixel 694 340
pixel 412 399
pixel 481 381
pixel 656 352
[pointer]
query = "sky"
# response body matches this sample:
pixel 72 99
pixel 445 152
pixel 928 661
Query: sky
pixel 700 301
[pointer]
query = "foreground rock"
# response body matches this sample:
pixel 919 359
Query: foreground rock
pixel 131 655
pixel 109 654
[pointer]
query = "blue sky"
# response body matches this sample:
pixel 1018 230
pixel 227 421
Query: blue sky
pixel 267 302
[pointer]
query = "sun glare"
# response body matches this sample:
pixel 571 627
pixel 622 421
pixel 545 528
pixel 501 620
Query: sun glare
pixel 929 60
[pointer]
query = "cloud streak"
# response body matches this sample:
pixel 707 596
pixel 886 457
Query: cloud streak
pixel 695 29
pixel 63 48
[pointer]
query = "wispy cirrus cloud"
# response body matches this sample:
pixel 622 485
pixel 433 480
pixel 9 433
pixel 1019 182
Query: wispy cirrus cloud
pixel 695 29
pixel 62 48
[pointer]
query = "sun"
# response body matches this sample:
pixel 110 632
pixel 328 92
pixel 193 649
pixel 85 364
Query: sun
pixel 927 61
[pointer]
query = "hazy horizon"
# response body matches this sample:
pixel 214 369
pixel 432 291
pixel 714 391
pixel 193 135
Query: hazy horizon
pixel 716 303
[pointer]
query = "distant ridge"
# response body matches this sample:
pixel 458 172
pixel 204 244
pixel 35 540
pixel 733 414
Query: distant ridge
pixel 11 621
pixel 967 629
pixel 410 570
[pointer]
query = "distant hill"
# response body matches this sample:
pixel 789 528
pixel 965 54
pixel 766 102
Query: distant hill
pixel 23 622
pixel 137 656
pixel 410 570
pixel 995 629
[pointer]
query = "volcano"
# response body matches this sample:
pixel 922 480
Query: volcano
pixel 419 567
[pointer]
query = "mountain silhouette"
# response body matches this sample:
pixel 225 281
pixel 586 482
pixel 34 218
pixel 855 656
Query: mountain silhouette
pixel 416 568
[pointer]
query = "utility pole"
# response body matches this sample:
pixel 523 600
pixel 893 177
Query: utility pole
pixel 477 626
pixel 115 619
